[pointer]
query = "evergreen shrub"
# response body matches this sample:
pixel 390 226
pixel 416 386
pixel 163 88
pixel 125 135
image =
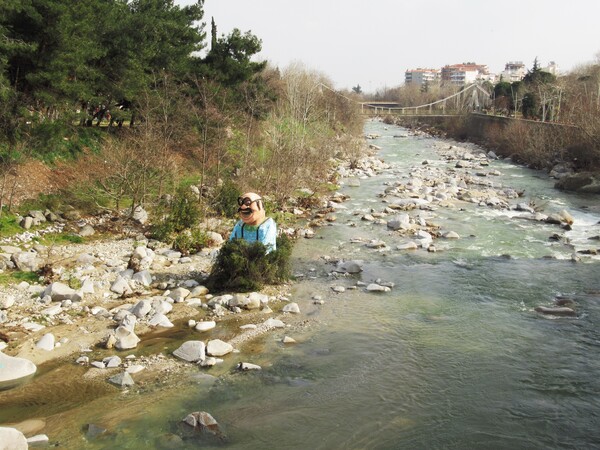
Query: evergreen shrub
pixel 190 241
pixel 224 202
pixel 243 267
pixel 181 213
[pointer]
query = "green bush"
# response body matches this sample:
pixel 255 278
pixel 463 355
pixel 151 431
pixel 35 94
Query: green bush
pixel 243 267
pixel 225 201
pixel 181 213
pixel 190 241
pixel 53 140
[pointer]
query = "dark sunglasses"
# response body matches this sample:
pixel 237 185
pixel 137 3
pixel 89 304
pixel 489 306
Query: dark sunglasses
pixel 246 201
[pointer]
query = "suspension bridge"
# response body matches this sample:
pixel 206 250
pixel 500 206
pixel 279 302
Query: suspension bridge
pixel 472 98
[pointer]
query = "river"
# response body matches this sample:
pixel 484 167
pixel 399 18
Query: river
pixel 454 357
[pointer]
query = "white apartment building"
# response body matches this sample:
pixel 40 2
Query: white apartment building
pixel 514 71
pixel 461 74
pixel 421 76
pixel 552 68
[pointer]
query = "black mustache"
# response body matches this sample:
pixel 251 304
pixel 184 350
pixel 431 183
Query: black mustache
pixel 244 210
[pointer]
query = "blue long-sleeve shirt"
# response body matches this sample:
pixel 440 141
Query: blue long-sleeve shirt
pixel 266 233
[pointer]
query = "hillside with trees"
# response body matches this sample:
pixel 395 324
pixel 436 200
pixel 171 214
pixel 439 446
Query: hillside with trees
pixel 129 101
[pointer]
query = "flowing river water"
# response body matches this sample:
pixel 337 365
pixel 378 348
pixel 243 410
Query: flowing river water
pixel 454 357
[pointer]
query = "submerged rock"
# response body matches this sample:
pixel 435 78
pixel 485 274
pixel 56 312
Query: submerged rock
pixel 556 311
pixel 352 266
pixel 203 422
pixel 245 366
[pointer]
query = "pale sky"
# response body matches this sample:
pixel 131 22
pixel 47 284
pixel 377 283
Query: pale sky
pixel 373 42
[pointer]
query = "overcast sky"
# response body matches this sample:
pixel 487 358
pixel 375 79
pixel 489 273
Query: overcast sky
pixel 373 42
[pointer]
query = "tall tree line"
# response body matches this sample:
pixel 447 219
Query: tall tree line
pixel 146 69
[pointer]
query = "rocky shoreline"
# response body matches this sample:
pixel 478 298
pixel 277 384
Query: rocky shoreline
pixel 111 295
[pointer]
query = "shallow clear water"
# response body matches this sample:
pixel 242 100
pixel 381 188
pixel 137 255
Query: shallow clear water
pixel 454 357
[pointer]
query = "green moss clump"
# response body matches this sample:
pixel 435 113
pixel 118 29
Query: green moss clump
pixel 243 267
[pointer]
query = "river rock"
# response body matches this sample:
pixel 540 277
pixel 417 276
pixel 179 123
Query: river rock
pixel 46 342
pixel 245 366
pixel 12 439
pixel 141 309
pixel 26 261
pixel 86 230
pixel 288 340
pixel 111 361
pixel 203 421
pixel 144 278
pixel 214 239
pixel 128 321
pixel 257 300
pixel 205 325
pixel 352 266
pixel 52 310
pixel 93 431
pixel 556 311
pixel 198 291
pixel 179 294
pixel 217 347
pixel 373 287
pixel 451 235
pixel 122 379
pixel 7 301
pixel 292 308
pixel 191 351
pixel 424 238
pixel 121 287
pixel 161 306
pixel 584 182
pixel 160 320
pixel 39 440
pixel 126 339
pixel 14 370
pixel 566 217
pixel 140 215
pixel 26 222
pixel 273 323
pixel 524 207
pixel 407 246
pixel 135 368
pixel 400 222
pixel 59 291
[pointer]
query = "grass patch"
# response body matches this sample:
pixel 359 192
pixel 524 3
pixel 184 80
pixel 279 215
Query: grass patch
pixel 9 225
pixel 13 277
pixel 60 239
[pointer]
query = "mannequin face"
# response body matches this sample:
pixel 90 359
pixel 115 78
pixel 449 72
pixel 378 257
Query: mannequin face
pixel 254 212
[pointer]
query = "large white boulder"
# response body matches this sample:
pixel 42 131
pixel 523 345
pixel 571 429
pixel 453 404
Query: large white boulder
pixel 217 347
pixel 12 439
pixel 126 339
pixel 14 370
pixel 191 351
pixel 59 291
